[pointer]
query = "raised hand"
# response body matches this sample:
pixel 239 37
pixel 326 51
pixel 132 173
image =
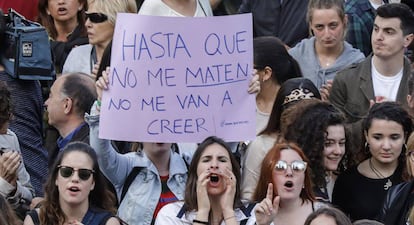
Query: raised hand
pixel 325 90
pixel 227 199
pixel 102 83
pixel 267 209
pixel 9 163
pixel 254 84
pixel 203 201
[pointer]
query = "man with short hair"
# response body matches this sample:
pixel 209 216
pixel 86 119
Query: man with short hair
pixel 71 95
pixel 380 77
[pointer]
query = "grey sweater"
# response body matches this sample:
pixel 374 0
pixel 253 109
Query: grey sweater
pixel 304 53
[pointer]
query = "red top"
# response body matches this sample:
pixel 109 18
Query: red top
pixel 27 8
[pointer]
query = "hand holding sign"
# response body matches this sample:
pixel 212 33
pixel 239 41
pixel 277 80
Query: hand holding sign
pixel 168 83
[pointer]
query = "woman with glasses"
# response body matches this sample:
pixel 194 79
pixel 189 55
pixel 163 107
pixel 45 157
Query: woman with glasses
pixel 284 189
pixel 100 24
pixel 290 93
pixel 319 130
pixel 398 205
pixel 361 190
pixel 212 194
pixel 75 192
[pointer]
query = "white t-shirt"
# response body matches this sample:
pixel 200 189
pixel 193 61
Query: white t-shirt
pixel 159 8
pixel 386 86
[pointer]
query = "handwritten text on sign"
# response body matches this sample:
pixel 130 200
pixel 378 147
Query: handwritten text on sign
pixel 179 79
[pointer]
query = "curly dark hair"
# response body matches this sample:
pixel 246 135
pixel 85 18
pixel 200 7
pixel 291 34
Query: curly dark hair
pixel 309 131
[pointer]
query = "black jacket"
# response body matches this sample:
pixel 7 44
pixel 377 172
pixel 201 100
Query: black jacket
pixel 397 204
pixel 82 135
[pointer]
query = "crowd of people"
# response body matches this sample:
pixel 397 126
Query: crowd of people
pixel 333 83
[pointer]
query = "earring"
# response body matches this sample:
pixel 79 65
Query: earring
pixel 366 148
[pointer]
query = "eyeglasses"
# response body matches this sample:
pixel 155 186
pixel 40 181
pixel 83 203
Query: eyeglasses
pixel 96 17
pixel 67 171
pixel 296 166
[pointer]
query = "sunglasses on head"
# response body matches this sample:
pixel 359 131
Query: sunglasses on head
pixel 67 171
pixel 296 166
pixel 96 17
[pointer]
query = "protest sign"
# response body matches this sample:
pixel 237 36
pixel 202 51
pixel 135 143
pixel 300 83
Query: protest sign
pixel 179 79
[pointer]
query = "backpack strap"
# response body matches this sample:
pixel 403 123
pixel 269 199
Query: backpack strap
pixel 35 217
pixel 180 213
pixel 247 212
pixel 131 177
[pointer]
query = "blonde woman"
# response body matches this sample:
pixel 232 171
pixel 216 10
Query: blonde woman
pixel 100 24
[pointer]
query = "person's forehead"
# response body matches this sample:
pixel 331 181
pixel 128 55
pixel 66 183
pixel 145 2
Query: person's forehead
pixel 393 22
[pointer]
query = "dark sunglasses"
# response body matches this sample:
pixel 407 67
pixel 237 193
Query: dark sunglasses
pixel 67 171
pixel 96 17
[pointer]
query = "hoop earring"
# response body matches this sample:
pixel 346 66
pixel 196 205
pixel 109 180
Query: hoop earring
pixel 366 148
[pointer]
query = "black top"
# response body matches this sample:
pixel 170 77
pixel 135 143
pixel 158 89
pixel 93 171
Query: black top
pixel 361 197
pixel 61 49
pixel 397 204
pixel 284 19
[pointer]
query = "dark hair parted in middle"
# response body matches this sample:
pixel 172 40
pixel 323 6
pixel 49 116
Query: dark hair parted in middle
pixel 190 198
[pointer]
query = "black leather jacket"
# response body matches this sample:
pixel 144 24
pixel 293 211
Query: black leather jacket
pixel 396 204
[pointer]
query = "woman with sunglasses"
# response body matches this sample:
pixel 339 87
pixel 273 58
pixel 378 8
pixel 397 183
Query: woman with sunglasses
pixel 212 194
pixel 75 192
pixel 361 190
pixel 284 189
pixel 100 24
pixel 291 92
pixel 65 23
pixel 398 205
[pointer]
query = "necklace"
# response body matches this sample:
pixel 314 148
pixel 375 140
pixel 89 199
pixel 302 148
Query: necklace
pixel 387 184
pixel 377 172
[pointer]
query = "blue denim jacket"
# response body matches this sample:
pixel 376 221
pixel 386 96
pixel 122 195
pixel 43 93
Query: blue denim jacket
pixel 138 205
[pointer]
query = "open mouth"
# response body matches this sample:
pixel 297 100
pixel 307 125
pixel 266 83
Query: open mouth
pixel 74 189
pixel 214 178
pixel 61 9
pixel 289 184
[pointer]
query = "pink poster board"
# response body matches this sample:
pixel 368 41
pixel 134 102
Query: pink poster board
pixel 180 79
